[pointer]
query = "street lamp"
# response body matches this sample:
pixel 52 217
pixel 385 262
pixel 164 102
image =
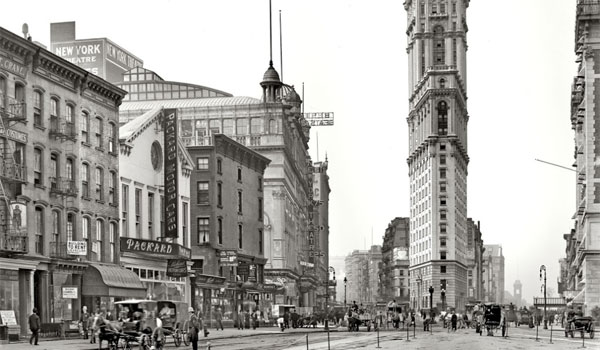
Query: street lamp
pixel 431 300
pixel 419 280
pixel 443 294
pixel 543 269
pixel 345 283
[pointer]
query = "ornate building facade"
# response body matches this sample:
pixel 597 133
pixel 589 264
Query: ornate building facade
pixel 438 159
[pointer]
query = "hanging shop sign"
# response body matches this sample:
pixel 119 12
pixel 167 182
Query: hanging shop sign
pixel 13 135
pixel 134 245
pixel 13 67
pixel 177 268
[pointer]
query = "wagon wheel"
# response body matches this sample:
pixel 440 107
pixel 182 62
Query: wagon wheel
pixel 177 337
pixel 186 331
pixel 144 342
pixel 592 331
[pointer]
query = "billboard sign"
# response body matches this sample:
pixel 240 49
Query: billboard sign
pixel 87 54
pixel 319 118
pixel 77 248
pixel 171 173
pixel 177 268
pixel 228 258
pixel 120 57
pixel 134 245
pixel 70 292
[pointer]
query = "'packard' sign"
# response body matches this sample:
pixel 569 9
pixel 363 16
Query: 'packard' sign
pixel 154 247
pixel 171 191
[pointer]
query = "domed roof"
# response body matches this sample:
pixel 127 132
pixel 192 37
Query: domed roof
pixel 292 96
pixel 271 75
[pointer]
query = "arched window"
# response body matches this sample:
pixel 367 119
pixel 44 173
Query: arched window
pixel 55 237
pixel 85 127
pixel 112 138
pixel 99 184
pixel 70 226
pixel 85 231
pixel 439 49
pixel 442 83
pixel 99 132
pixel 70 120
pixel 442 109
pixel 112 234
pixel 54 172
pixel 97 247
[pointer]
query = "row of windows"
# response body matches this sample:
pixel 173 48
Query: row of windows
pixel 229 127
pixel 203 233
pixel 99 251
pixel 59 179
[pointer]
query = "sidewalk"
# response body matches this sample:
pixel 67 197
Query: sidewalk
pixel 84 344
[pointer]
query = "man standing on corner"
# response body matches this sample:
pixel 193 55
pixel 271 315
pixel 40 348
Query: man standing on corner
pixel 34 326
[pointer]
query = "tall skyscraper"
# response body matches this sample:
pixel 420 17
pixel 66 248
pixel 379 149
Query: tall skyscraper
pixel 438 159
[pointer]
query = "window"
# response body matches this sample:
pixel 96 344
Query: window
pixel 273 129
pixel 39 230
pixel 3 95
pixel 219 194
pixel 443 228
pixel 240 236
pixel 99 184
pixel 228 127
pixel 138 212
pixel 260 209
pixel 241 127
pixel 112 192
pixel 54 172
pixel 214 126
pixel 260 241
pixel 150 214
pixel 442 173
pixel 219 166
pixel 37 167
pixel 443 201
pixel 260 183
pixel 185 224
pixel 453 7
pixel 112 137
pixel 220 230
pixel 99 131
pixel 112 233
pixel 442 147
pixel 202 192
pixel 239 174
pixel 53 107
pixel 203 230
pixel 70 171
pixel 69 122
pixel 443 215
pixel 55 228
pixel 85 127
pixel 439 49
pixel 37 108
pixel 239 202
pixel 443 255
pixel 442 109
pixel 202 163
pixel 442 83
pixel 125 210
pixel 442 8
pixel 97 243
pixel 256 126
pixel 442 241
pixel 70 226
pixel 442 159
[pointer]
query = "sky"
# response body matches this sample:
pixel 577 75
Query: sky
pixel 349 57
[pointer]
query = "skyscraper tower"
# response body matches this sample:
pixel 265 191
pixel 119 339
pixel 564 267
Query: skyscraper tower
pixel 438 159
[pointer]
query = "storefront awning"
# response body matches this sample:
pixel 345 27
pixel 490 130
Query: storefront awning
pixel 112 280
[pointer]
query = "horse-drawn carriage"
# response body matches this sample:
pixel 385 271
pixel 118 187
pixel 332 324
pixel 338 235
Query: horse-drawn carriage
pixel 150 322
pixel 576 322
pixel 493 319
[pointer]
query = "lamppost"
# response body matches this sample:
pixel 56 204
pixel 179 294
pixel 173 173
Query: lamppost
pixel 431 300
pixel 543 269
pixel 345 283
pixel 419 280
pixel 331 269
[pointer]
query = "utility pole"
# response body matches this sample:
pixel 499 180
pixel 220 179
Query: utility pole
pixel 543 269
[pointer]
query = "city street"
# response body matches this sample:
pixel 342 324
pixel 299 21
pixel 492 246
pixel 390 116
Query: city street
pixel 296 339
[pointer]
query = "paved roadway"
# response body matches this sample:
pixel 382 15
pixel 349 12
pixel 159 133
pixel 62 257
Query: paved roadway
pixel 272 338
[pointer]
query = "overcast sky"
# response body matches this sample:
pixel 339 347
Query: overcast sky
pixel 351 57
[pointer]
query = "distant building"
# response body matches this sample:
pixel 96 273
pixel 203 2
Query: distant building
pixel 583 242
pixel 374 275
pixel 395 277
pixel 475 261
pixel 518 293
pixel 357 274
pixel 493 274
pixel 320 234
pixel 99 56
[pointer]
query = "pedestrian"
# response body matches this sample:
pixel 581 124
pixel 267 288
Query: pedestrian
pixel 219 318
pixel 92 325
pixel 453 321
pixel 286 319
pixel 240 320
pixel 83 321
pixel 281 323
pixel 254 319
pixel 203 324
pixel 194 327
pixel 34 326
pixel 246 319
